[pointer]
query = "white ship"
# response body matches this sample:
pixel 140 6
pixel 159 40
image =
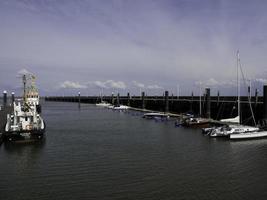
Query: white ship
pixel 25 121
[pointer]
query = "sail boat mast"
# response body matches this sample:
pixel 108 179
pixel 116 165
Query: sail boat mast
pixel 238 87
pixel 200 111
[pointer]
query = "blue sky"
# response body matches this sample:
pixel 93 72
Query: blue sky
pixel 123 45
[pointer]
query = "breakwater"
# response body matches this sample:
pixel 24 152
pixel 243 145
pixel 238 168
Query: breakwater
pixel 216 107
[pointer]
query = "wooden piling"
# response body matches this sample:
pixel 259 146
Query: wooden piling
pixel 79 99
pixel 5 98
pixel 265 100
pixel 191 102
pixel 118 99
pixel 166 101
pixel 128 99
pixel 12 97
pixel 143 100
pixel 208 102
pixel 112 99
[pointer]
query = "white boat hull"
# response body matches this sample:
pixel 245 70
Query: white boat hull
pixel 121 107
pixel 249 135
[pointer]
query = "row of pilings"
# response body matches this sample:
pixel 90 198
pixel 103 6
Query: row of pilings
pixel 215 107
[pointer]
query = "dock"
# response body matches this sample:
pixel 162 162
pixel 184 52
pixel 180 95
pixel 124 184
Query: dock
pixel 212 107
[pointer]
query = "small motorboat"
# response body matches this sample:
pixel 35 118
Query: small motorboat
pixel 120 107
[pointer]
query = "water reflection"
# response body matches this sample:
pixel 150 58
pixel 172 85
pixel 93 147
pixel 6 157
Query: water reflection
pixel 24 155
pixel 21 148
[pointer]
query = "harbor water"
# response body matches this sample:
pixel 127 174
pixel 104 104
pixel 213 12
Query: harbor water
pixel 96 153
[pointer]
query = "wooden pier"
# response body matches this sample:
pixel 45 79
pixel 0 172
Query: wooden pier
pixel 214 107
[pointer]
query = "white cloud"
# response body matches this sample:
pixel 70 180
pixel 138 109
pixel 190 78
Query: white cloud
pixel 154 87
pixel 99 84
pixel 262 80
pixel 72 85
pixel 24 71
pixel 212 82
pixel 108 84
pixel 138 84
pixel 115 84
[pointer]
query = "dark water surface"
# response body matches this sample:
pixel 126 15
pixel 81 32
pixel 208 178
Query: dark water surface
pixel 96 153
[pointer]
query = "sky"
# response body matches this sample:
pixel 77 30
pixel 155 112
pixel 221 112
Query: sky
pixel 90 46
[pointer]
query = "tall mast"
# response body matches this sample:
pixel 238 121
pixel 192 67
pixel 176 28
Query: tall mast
pixel 24 88
pixel 200 99
pixel 238 87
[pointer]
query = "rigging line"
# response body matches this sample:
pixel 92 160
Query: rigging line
pixel 249 100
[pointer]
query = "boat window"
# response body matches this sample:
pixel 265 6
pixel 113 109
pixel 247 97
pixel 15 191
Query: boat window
pixel 26 118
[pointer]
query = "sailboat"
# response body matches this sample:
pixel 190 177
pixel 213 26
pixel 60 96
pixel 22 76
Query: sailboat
pixel 249 134
pixel 102 103
pixel 197 122
pixel 234 130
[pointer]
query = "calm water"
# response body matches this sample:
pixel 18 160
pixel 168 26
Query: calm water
pixel 95 153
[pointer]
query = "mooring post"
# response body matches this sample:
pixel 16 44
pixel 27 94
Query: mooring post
pixel 191 102
pixel 112 99
pixel 128 99
pixel 4 98
pixel 143 100
pixel 79 99
pixel 166 101
pixel 208 102
pixel 12 98
pixel 118 99
pixel 265 100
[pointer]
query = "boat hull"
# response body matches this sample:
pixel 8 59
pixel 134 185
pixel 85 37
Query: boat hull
pixel 13 136
pixel 250 135
pixel 197 125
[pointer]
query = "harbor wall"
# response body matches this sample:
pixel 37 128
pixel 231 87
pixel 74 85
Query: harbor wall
pixel 216 108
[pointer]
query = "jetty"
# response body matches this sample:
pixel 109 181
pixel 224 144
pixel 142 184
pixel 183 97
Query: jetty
pixel 213 107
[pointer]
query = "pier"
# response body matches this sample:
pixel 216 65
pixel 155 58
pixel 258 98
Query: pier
pixel 214 107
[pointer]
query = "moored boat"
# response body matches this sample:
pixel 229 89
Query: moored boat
pixel 103 104
pixel 227 130
pixel 25 122
pixel 249 135
pixel 121 107
pixel 196 122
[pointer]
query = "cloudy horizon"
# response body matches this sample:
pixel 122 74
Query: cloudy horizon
pixel 132 46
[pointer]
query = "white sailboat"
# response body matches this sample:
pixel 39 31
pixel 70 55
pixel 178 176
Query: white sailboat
pixel 229 130
pixel 197 122
pixel 102 103
pixel 249 134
